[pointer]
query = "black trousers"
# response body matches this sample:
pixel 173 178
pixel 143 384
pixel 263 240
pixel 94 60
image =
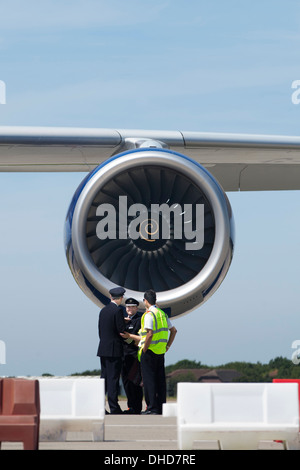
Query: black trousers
pixel 154 380
pixel 110 372
pixel 133 391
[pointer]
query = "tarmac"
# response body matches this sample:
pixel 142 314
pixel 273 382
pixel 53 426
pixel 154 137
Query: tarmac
pixel 133 433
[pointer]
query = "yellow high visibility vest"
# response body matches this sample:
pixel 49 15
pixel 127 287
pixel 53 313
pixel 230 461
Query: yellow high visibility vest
pixel 160 331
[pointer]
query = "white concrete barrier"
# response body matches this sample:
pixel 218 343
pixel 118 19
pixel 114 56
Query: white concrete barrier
pixel 72 409
pixel 169 410
pixel 237 415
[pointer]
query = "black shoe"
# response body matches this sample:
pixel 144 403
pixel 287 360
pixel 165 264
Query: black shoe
pixel 148 412
pixel 116 412
pixel 129 411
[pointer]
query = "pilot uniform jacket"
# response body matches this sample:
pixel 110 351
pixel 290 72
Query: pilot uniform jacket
pixel 111 324
pixel 133 326
pixel 131 370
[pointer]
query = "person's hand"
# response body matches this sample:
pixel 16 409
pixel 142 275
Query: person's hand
pixel 125 335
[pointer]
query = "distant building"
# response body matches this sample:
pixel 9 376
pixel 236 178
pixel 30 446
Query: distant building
pixel 205 375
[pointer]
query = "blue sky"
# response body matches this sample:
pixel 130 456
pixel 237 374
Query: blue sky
pixel 199 66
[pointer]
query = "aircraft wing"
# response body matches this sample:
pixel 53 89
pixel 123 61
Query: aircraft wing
pixel 238 161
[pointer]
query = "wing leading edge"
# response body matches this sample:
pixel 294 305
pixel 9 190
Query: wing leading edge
pixel 238 161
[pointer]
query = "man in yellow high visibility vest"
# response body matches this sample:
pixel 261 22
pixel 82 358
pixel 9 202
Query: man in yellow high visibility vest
pixel 155 341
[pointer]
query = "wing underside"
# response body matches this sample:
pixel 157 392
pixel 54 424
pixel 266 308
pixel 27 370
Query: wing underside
pixel 240 162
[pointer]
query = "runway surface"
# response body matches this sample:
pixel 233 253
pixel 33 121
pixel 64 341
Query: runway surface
pixel 129 433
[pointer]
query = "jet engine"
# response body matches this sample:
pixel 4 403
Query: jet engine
pixel 150 219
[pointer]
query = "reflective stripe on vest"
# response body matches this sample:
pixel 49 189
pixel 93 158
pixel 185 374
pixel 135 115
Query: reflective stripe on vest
pixel 160 331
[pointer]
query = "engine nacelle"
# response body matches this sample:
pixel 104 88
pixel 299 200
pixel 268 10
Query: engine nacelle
pixel 150 219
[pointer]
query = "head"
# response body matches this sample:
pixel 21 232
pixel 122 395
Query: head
pixel 117 294
pixel 149 298
pixel 131 310
pixel 131 307
pixel 117 300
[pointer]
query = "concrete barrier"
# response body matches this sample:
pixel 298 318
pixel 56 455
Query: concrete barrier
pixel 72 409
pixel 20 412
pixel 238 415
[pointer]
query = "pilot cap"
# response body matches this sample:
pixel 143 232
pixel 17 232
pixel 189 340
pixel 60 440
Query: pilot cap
pixel 117 292
pixel 131 302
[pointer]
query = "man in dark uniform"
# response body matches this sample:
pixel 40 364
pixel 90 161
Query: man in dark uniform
pixel 131 372
pixel 110 350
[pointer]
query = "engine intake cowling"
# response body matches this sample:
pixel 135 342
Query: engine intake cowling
pixel 150 219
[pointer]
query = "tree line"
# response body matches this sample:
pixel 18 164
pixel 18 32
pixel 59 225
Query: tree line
pixel 280 367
